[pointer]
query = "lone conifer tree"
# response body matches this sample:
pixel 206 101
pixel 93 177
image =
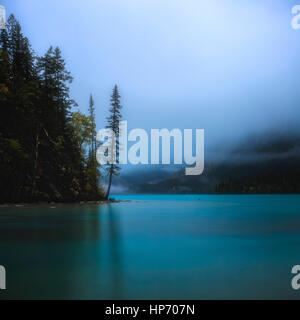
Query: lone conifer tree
pixel 113 124
pixel 92 116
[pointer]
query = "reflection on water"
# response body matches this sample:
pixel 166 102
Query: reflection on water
pixel 114 252
pixel 174 247
pixel 64 252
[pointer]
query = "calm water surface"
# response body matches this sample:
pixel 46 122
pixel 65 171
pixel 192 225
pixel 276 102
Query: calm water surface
pixel 154 247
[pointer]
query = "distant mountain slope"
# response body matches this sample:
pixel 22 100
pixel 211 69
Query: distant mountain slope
pixel 269 165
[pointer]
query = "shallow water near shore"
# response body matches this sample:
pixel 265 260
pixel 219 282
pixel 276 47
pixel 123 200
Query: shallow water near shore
pixel 153 247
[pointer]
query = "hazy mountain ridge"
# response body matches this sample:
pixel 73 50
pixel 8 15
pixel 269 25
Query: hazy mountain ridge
pixel 269 165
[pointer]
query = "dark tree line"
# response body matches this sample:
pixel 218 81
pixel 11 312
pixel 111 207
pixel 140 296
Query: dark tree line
pixel 46 152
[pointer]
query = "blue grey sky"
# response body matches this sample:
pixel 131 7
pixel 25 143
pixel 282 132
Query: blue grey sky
pixel 228 66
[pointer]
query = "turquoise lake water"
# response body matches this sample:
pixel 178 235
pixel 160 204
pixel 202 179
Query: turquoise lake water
pixel 153 247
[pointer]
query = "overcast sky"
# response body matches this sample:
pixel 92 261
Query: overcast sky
pixel 228 66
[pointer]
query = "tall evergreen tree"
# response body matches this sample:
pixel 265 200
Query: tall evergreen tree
pixel 63 159
pixel 92 117
pixel 113 124
pixel 17 111
pixel 92 167
pixel 41 154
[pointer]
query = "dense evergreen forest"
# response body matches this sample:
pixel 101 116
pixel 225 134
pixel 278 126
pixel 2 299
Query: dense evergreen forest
pixel 47 152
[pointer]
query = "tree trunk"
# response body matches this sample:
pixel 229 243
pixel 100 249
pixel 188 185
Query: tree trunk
pixel 109 185
pixel 35 165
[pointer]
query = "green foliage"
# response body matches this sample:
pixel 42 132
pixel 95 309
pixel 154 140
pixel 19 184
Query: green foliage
pixel 41 142
pixel 82 129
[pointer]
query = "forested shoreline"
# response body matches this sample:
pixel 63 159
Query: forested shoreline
pixel 47 152
pixel 48 147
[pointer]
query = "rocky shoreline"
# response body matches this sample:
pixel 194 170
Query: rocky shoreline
pixel 52 204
